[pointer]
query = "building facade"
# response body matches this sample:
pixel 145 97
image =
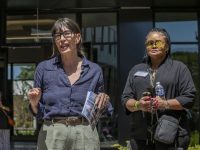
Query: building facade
pixel 113 33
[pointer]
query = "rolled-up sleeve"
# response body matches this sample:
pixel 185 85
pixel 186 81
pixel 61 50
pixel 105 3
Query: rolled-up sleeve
pixel 100 88
pixel 100 83
pixel 187 90
pixel 128 92
pixel 38 84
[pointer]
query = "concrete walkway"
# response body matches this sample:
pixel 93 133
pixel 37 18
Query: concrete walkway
pixel 23 146
pixel 32 146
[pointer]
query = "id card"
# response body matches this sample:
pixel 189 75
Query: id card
pixel 141 73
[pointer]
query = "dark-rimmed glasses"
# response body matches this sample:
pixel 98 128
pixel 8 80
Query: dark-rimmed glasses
pixel 66 34
pixel 157 44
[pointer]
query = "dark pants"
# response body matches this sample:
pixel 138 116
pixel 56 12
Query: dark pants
pixel 141 145
pixel 181 143
pixel 162 146
pixel 148 145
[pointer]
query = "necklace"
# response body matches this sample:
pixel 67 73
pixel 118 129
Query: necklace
pixel 152 73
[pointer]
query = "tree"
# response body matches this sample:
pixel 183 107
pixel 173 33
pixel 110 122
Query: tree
pixel 24 81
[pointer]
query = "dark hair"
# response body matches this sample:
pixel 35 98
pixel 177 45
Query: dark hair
pixel 167 40
pixel 165 34
pixel 72 26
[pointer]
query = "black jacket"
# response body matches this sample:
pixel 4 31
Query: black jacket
pixel 177 81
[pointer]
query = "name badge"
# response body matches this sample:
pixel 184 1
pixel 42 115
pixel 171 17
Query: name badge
pixel 141 73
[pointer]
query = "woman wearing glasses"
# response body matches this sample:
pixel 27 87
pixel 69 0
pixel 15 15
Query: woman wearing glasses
pixel 140 100
pixel 60 88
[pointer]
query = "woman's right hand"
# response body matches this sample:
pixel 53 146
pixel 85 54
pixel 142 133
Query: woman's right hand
pixel 34 95
pixel 145 103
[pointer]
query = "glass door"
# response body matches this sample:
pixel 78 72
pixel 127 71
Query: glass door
pixel 22 74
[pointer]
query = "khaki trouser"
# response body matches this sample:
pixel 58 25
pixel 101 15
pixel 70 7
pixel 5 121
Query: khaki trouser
pixel 57 136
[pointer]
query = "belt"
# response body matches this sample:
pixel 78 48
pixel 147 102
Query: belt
pixel 72 121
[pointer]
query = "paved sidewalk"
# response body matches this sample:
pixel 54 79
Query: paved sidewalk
pixel 32 145
pixel 23 146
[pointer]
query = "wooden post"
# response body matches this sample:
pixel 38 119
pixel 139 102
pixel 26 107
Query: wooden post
pixel 4 139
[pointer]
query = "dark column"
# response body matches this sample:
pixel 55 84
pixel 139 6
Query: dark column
pixel 2 22
pixel 3 50
pixel 133 27
pixel 198 14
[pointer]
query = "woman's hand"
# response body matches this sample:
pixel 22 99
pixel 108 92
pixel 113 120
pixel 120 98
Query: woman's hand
pixel 145 103
pixel 5 108
pixel 102 100
pixel 160 103
pixel 34 95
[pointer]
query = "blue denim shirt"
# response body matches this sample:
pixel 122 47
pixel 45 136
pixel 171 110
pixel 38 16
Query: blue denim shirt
pixel 60 98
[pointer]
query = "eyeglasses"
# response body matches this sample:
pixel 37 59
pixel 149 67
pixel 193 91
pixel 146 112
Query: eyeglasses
pixel 157 44
pixel 66 34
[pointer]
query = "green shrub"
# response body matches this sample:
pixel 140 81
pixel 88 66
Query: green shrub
pixel 196 147
pixel 194 140
pixel 119 147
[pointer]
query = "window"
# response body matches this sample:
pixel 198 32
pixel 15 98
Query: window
pixel 31 28
pixel 100 39
pixel 183 30
pixel 25 123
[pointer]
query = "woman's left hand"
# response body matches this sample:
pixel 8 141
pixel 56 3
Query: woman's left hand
pixel 159 103
pixel 102 100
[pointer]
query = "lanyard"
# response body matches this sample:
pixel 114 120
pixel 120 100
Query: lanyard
pixel 152 74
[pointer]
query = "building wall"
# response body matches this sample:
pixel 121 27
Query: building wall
pixel 134 21
pixel 133 27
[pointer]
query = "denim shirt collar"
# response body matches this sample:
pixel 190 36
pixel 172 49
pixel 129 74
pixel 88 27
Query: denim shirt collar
pixel 57 60
pixel 84 67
